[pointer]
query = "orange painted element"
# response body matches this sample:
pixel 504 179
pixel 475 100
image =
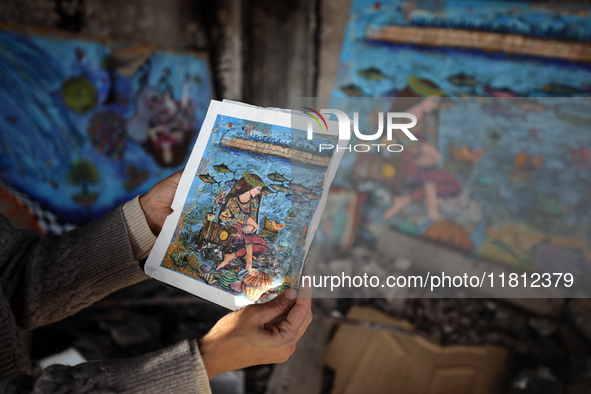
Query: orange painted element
pixel 465 154
pixel 525 162
pixel 255 285
pixel 273 226
pixel 451 234
pixel 17 213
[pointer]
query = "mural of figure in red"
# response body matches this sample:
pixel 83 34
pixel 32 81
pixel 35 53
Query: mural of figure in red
pixel 242 210
pixel 423 177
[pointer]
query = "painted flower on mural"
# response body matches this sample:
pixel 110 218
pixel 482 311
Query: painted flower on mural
pixel 106 130
pixel 164 125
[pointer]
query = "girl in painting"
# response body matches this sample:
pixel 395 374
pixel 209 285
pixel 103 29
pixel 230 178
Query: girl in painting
pixel 422 174
pixel 242 210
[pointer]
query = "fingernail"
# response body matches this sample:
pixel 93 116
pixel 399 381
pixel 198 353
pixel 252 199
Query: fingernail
pixel 291 294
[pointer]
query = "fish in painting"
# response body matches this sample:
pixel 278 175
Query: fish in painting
pixel 298 187
pixel 352 90
pixel 223 169
pixel 311 195
pixel 295 197
pixel 559 89
pixel 277 177
pixel 208 178
pixel 279 188
pixel 373 74
pixel 463 79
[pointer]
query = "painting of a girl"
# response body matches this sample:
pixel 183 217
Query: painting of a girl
pixel 241 209
pixel 422 176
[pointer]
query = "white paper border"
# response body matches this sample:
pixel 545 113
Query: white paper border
pixel 275 117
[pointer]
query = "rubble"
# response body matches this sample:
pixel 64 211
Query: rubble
pixel 550 351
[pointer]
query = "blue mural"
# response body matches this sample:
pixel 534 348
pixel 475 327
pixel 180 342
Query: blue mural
pixel 87 125
pixel 502 166
pixel 367 67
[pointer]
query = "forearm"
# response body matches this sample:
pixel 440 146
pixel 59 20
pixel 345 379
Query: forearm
pixel 64 274
pixel 176 369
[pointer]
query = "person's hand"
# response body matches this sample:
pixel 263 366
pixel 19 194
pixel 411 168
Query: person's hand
pixel 250 226
pixel 248 337
pixel 156 203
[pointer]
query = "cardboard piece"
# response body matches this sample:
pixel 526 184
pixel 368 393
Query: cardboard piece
pixel 380 361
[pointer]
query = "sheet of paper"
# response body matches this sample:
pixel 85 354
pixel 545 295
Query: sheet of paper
pixel 247 206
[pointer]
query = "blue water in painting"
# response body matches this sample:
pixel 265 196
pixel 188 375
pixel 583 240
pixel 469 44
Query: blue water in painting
pixel 286 249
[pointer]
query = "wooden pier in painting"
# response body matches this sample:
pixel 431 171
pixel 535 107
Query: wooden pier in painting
pixel 265 148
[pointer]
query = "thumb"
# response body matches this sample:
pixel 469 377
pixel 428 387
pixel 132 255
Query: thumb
pixel 278 306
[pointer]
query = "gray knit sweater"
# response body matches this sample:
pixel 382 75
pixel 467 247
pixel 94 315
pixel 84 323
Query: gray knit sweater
pixel 45 280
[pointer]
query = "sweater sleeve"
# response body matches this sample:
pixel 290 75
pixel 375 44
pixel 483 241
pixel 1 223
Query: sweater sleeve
pixel 49 279
pixel 45 280
pixel 140 236
pixel 169 370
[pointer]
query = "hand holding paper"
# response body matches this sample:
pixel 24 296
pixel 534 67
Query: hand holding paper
pixel 245 337
pixel 156 203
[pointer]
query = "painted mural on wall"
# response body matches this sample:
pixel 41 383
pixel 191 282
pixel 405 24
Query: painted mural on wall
pixel 88 124
pixel 512 182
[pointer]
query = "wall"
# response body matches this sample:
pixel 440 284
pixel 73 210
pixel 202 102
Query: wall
pixel 262 52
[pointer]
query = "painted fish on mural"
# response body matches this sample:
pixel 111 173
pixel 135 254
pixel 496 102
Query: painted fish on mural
pixel 559 89
pixel 352 90
pixel 373 74
pixel 463 79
